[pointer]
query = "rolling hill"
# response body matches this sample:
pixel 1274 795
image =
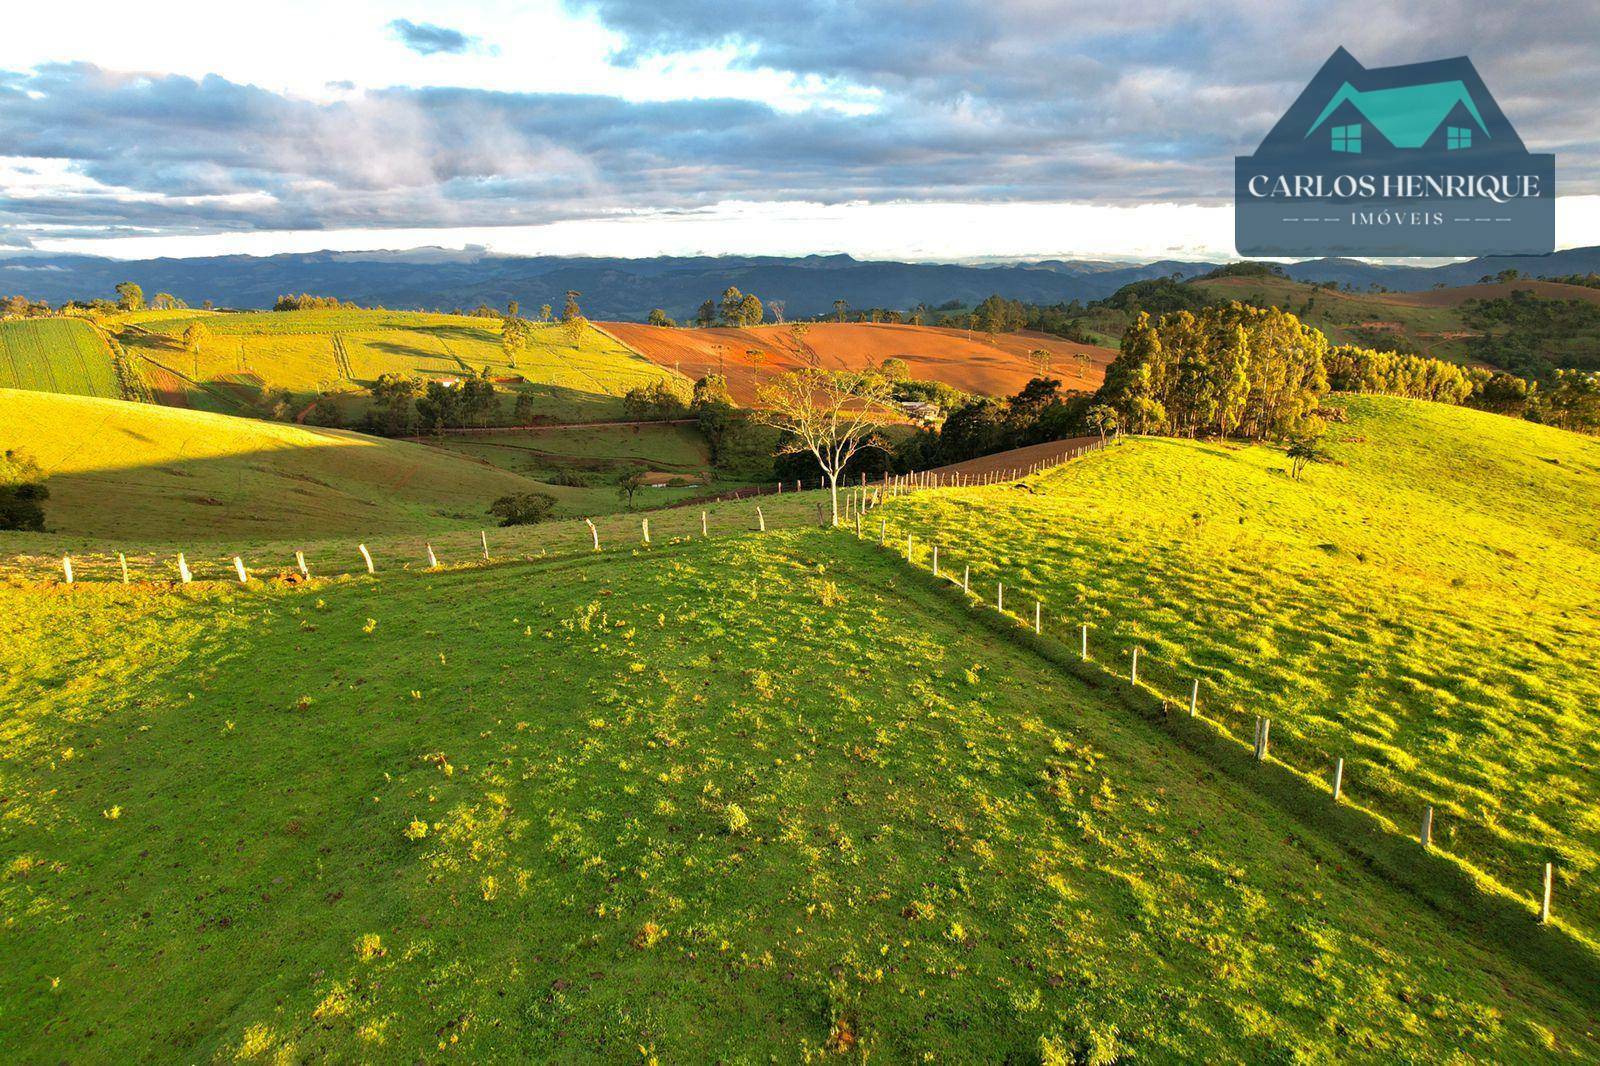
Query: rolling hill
pixel 959 358
pixel 147 473
pixel 1417 606
pixel 740 797
pixel 345 349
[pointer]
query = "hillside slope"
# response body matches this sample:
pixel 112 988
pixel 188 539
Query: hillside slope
pixel 967 361
pixel 127 470
pixel 728 799
pixel 346 349
pixel 1422 606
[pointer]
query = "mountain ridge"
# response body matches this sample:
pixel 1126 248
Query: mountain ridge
pixel 627 289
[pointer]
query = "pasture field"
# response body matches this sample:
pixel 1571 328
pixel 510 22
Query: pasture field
pixel 344 350
pixel 56 355
pixel 1423 606
pixel 663 450
pixel 741 798
pixel 143 473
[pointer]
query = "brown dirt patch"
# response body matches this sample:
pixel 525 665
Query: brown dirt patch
pixel 966 361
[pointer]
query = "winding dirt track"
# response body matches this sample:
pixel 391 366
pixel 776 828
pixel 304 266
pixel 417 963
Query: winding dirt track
pixel 966 361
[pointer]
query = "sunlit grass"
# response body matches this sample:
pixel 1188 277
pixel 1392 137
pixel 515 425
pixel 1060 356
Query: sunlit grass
pixel 725 799
pixel 1423 607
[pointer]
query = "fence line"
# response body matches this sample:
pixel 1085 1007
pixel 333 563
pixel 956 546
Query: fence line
pixel 1261 744
pixel 858 498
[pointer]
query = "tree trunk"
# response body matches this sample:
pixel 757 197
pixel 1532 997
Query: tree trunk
pixel 833 492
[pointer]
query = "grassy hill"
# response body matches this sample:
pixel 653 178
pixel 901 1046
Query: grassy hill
pixel 720 799
pixel 1422 606
pixel 142 472
pixel 344 349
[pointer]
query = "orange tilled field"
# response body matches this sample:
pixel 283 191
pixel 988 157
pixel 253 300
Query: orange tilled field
pixel 966 361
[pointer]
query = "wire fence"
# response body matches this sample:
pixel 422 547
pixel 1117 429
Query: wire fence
pixel 775 505
pixel 1372 788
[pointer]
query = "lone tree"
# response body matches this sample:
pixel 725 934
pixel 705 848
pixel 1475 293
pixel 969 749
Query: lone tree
pixel 629 482
pixel 1302 453
pixel 1040 359
pixel 195 338
pixel 1102 417
pixel 831 415
pixel 130 297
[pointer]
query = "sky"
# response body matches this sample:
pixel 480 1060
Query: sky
pixel 939 130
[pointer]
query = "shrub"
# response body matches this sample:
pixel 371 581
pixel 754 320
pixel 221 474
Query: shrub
pixel 523 508
pixel 22 492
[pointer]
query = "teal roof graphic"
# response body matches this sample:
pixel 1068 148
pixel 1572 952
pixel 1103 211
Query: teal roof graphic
pixel 1407 115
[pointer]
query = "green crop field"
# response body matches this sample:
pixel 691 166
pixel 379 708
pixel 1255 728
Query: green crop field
pixel 56 355
pixel 730 799
pixel 346 349
pixel 1421 606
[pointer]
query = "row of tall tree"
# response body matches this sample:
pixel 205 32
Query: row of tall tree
pixel 1223 371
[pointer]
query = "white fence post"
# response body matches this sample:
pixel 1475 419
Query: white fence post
pixel 1038 617
pixel 1544 907
pixel 1084 646
pixel 66 567
pixel 761 519
pixel 367 557
pixel 183 569
pixel 1338 779
pixel 644 528
pixel 999 596
pixel 1194 698
pixel 935 560
pixel 123 561
pixel 300 561
pixel 705 530
pixel 238 566
pixel 483 535
pixel 1133 672
pixel 1426 836
pixel 595 532
pixel 433 560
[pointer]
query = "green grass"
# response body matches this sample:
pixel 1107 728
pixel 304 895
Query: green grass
pixel 723 799
pixel 599 451
pixel 125 475
pixel 1423 607
pixel 306 352
pixel 56 355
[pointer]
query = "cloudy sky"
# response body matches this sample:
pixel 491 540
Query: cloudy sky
pixel 942 129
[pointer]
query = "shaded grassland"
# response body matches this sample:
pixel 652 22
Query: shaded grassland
pixel 125 476
pixel 345 349
pixel 1423 606
pixel 729 798
pixel 665 449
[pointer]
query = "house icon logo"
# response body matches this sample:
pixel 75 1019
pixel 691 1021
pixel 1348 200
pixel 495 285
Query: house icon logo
pixel 1415 160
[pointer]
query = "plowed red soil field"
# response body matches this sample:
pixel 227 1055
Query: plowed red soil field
pixel 966 361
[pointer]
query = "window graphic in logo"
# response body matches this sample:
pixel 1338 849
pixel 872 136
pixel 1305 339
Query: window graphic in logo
pixel 1415 160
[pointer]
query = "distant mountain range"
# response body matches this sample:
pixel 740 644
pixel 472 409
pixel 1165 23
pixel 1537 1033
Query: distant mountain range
pixel 436 278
